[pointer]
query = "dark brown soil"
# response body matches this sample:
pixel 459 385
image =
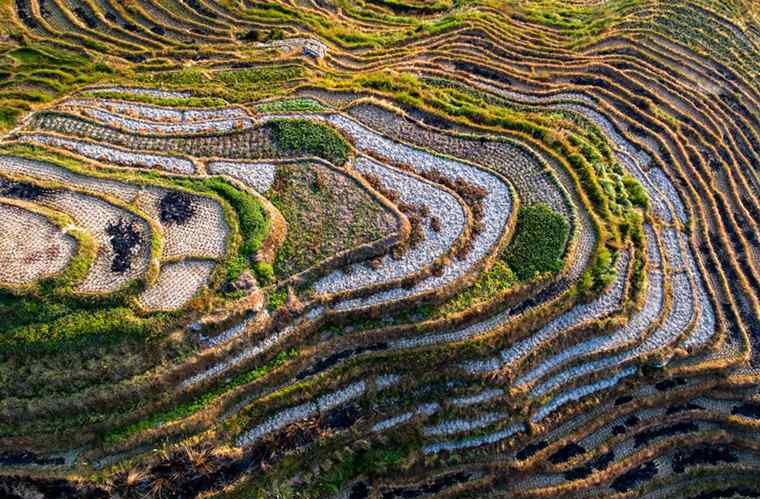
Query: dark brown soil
pixel 531 449
pixel 702 455
pixel 21 190
pixel 647 436
pixel 630 479
pixel 126 242
pixel 176 207
pixel 567 452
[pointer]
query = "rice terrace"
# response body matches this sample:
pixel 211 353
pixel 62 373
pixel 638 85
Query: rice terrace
pixel 350 249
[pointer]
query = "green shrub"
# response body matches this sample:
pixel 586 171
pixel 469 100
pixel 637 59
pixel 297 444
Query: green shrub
pixel 498 278
pixel 599 275
pixel 8 117
pixel 236 267
pixel 277 299
pixel 265 273
pixel 636 193
pixel 539 242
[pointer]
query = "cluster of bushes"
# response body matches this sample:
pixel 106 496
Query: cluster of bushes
pixel 599 275
pixel 539 242
pixel 307 138
pixel 498 278
pixel 636 193
pixel 372 462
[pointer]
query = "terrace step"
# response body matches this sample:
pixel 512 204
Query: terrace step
pixel 44 251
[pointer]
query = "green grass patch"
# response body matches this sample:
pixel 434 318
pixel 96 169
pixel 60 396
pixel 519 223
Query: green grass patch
pixel 498 278
pixel 46 56
pixel 599 275
pixel 235 85
pixel 244 79
pixel 307 138
pixel 539 242
pixel 159 101
pixel 254 222
pixel 9 117
pixel 291 106
pixel 372 462
pixel 40 324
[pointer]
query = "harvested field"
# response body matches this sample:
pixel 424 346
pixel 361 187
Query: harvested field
pixel 43 251
pixel 176 285
pixel 327 213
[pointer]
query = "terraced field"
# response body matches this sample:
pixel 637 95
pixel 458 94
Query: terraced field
pixel 382 248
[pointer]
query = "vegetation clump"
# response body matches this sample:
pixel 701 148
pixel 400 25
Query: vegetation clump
pixel 307 138
pixel 256 35
pixel 539 242
pixel 41 325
